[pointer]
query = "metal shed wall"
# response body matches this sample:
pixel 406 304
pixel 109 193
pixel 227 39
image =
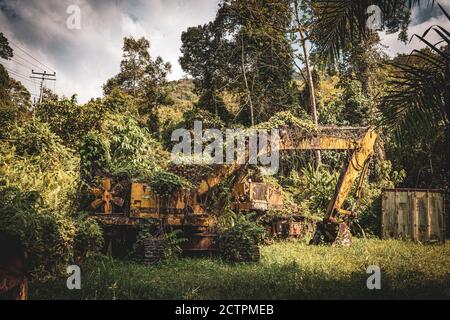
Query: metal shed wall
pixel 415 214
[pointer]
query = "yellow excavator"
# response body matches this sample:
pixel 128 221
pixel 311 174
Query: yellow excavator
pixel 334 227
pixel 189 209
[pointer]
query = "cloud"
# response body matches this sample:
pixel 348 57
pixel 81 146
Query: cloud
pixel 131 27
pixel 84 59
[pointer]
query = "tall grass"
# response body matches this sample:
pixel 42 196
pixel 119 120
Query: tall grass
pixel 287 270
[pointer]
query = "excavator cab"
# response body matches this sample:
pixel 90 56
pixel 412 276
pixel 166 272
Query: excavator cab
pixel 256 196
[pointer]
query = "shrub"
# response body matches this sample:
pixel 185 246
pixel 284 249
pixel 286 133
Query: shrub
pixel 36 139
pixel 94 156
pixel 172 241
pixel 51 240
pixel 237 243
pixel 166 184
pixel 46 236
pixel 132 149
pixel 88 238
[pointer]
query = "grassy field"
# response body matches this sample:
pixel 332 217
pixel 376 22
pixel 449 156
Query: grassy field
pixel 287 270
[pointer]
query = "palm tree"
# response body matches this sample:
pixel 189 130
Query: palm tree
pixel 418 95
pixel 339 22
pixel 418 98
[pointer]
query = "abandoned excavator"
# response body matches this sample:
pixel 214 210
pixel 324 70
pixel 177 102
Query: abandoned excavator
pixel 127 205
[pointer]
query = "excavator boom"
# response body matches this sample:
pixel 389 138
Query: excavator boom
pixel 355 167
pixel 361 140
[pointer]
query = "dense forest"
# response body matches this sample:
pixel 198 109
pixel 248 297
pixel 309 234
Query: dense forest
pixel 257 62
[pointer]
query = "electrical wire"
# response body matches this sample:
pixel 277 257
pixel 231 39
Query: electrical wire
pixel 16 55
pixel 31 56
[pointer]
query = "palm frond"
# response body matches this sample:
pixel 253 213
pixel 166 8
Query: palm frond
pixel 418 99
pixel 339 22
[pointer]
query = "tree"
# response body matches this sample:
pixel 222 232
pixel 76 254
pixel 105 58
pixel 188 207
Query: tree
pixel 6 52
pixel 338 23
pixel 416 108
pixel 301 33
pixel 419 96
pixel 247 54
pixel 14 97
pixel 135 59
pixel 4 85
pixel 364 61
pixel 20 96
pixel 142 78
pixel 8 112
pixel 202 57
pixel 69 120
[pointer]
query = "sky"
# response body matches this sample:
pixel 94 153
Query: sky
pixel 85 58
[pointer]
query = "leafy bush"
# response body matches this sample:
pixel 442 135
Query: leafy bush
pixel 46 237
pixel 237 242
pixel 287 119
pixel 312 189
pixel 172 245
pixel 166 184
pixel 38 189
pixel 208 119
pixel 94 156
pixel 44 166
pixel 51 240
pixel 69 120
pixel 36 139
pixel 131 147
pixel 88 238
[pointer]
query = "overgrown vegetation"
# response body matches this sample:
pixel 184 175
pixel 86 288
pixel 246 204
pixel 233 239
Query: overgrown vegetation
pixel 241 68
pixel 166 184
pixel 237 242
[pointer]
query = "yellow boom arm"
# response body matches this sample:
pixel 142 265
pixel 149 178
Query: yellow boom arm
pixel 357 165
pixel 363 146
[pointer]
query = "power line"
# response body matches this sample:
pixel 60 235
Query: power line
pixel 16 55
pixel 15 72
pixel 14 59
pixel 28 54
pixel 19 63
pixel 22 78
pixel 32 84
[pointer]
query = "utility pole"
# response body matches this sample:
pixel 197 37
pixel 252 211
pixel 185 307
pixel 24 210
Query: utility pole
pixel 43 76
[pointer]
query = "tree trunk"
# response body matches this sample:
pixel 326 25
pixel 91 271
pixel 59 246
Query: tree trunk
pixel 246 84
pixel 312 96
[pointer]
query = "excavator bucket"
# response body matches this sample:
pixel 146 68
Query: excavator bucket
pixel 334 233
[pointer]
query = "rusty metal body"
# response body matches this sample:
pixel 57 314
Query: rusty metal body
pixel 256 196
pixel 294 227
pixel 413 214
